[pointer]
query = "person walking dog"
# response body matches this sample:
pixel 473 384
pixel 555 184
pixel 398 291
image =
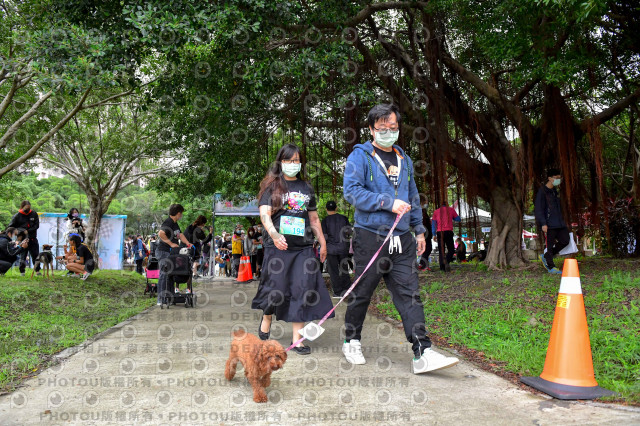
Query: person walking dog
pixel 379 183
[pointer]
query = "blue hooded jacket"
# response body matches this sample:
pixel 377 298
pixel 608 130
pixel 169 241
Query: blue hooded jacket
pixel 369 190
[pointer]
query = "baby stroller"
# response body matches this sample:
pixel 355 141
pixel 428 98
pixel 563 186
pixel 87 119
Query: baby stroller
pixel 152 272
pixel 178 269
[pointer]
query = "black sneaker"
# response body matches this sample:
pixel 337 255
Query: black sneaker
pixel 302 350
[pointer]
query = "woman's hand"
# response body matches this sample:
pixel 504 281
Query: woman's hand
pixel 279 240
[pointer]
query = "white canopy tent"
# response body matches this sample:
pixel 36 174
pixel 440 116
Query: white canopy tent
pixel 482 217
pixel 469 215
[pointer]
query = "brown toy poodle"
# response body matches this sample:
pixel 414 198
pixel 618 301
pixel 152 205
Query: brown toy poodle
pixel 259 359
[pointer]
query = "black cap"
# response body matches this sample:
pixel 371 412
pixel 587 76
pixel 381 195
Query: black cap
pixel 331 206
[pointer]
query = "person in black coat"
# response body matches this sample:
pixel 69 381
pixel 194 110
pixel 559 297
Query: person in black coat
pixel 28 220
pixel 195 235
pixel 337 232
pixel 10 249
pixel 548 213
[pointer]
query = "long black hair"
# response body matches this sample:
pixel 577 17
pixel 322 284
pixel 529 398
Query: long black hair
pixel 274 179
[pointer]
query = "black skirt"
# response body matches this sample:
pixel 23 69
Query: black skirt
pixel 291 286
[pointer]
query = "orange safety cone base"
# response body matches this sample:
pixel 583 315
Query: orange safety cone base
pixel 565 391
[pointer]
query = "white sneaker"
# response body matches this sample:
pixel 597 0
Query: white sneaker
pixel 352 350
pixel 431 361
pixel 177 290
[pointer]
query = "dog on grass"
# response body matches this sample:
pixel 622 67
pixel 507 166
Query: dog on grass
pixel 45 258
pixel 258 357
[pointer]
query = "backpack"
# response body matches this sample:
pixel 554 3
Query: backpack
pixel 145 249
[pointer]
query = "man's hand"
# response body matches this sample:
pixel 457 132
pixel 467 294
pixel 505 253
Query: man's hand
pixel 400 206
pixel 323 253
pixel 544 228
pixel 422 244
pixel 174 245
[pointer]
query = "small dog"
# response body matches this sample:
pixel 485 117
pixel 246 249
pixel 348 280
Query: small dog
pixel 46 258
pixel 259 359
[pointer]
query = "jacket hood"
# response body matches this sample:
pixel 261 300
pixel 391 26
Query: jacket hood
pixel 368 148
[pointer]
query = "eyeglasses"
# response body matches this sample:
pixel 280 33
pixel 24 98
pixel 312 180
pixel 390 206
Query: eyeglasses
pixel 385 131
pixel 290 161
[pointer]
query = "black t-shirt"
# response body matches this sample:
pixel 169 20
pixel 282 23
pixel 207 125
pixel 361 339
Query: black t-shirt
pixel 337 231
pixel 84 253
pixel 390 160
pixel 292 220
pixel 172 231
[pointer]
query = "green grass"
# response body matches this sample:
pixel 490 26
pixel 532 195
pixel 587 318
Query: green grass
pixel 40 317
pixel 508 317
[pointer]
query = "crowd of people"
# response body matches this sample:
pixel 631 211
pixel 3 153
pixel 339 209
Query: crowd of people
pixel 19 244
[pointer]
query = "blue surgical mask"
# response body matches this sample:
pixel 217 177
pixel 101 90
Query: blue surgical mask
pixel 556 182
pixel 14 238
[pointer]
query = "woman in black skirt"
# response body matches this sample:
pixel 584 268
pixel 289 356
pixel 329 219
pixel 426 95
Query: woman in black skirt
pixel 291 285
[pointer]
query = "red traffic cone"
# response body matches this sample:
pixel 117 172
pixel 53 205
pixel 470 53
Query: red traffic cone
pixel 568 367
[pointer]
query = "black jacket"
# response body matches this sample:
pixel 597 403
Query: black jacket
pixel 8 250
pixel 548 209
pixel 30 222
pixel 336 230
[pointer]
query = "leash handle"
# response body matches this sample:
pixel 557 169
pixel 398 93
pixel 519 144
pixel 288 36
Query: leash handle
pixel 350 289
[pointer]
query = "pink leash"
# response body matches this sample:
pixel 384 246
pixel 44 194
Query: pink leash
pixel 355 282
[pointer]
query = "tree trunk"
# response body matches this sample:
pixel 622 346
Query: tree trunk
pixel 96 209
pixel 505 247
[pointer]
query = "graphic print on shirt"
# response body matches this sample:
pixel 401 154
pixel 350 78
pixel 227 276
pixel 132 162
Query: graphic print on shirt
pixel 393 172
pixel 295 201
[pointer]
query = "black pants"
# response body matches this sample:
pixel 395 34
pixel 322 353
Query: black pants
pixel 254 263
pixel 557 239
pixel 338 268
pixel 401 277
pixel 235 264
pixel 424 257
pixel 447 236
pixel 139 266
pixel 34 250
pixel 4 266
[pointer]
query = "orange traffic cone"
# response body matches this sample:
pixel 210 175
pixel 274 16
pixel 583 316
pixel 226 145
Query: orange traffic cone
pixel 245 273
pixel 568 368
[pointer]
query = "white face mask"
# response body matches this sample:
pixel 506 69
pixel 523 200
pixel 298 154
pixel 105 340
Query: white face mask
pixel 291 169
pixel 387 140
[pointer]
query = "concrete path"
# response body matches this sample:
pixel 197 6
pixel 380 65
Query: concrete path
pixel 166 367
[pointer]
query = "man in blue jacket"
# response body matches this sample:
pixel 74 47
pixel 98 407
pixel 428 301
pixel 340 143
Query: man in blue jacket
pixel 379 182
pixel 549 215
